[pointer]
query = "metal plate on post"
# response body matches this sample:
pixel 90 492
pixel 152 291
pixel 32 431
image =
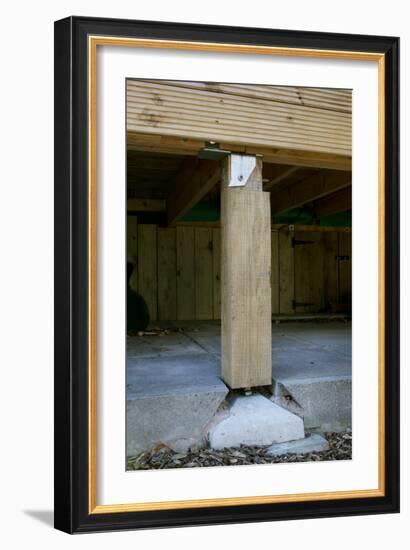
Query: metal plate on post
pixel 242 167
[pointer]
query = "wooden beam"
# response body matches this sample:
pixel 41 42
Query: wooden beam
pixel 146 205
pixel 284 173
pixel 196 178
pixel 245 275
pixel 334 203
pixel 177 145
pixel 167 109
pixel 310 189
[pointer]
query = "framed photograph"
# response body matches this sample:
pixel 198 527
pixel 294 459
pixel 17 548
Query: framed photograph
pixel 226 274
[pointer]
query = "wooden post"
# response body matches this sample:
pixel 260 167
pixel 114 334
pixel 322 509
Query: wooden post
pixel 246 274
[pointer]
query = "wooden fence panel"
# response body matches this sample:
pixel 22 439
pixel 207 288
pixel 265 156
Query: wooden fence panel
pixel 275 271
pixel 309 272
pixel 216 264
pixel 345 268
pixel 203 273
pixel 185 273
pixel 286 272
pixel 132 249
pixel 167 274
pixel 178 270
pixel 331 268
pixel 147 267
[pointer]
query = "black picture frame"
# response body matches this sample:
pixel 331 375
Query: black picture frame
pixel 71 491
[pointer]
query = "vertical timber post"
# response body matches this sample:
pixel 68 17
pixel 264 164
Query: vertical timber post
pixel 246 314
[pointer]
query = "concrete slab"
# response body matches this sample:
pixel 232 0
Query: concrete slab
pixel 210 344
pixel 313 443
pixel 150 376
pixel 335 336
pixel 312 369
pixel 293 363
pixel 285 317
pixel 174 343
pixel 255 420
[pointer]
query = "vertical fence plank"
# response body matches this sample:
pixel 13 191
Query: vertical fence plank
pixel 132 249
pixel 203 273
pixel 167 274
pixel 286 272
pixel 275 271
pixel 216 262
pixel 147 267
pixel 331 274
pixel 345 268
pixel 309 272
pixel 185 273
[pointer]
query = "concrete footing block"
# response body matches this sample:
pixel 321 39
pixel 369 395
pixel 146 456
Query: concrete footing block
pixel 255 420
pixel 313 443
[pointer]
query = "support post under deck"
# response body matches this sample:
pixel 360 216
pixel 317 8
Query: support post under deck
pixel 246 315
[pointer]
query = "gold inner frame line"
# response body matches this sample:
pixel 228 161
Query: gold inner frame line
pixel 93 42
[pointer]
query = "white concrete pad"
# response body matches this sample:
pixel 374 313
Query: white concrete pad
pixel 313 443
pixel 255 420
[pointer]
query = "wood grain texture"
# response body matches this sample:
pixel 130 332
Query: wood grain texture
pixel 146 205
pixel 216 265
pixel 334 203
pixel 147 267
pixel 331 268
pixel 331 99
pixel 309 189
pixel 283 173
pixel 275 271
pixel 177 145
pixel 203 274
pixel 286 272
pixel 246 288
pixel 185 273
pixel 170 109
pixel 189 269
pixel 196 178
pixel 167 274
pixel 309 273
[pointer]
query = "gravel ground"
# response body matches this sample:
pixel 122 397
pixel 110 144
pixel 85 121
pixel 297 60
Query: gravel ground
pixel 161 456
